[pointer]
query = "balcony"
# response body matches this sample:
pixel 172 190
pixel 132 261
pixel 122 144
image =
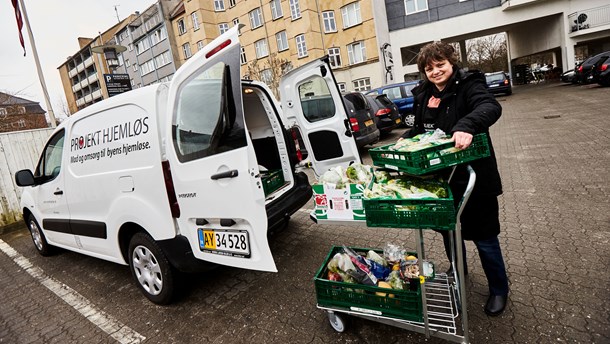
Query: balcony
pixel 89 61
pixel 589 19
pixel 72 72
pixel 76 88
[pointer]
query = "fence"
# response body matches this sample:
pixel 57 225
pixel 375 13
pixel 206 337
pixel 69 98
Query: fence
pixel 18 150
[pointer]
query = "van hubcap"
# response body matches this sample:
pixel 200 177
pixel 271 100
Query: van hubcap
pixel 147 270
pixel 36 236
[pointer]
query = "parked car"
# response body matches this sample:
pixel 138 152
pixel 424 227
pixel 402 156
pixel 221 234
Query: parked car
pixel 498 82
pixel 386 112
pixel 568 77
pixel 601 74
pixel 584 73
pixel 361 119
pixel 400 94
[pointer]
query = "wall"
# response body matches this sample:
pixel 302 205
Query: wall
pixel 18 150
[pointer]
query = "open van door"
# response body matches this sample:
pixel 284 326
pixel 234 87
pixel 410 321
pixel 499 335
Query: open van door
pixel 312 101
pixel 212 161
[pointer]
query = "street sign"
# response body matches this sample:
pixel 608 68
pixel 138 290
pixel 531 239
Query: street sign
pixel 117 83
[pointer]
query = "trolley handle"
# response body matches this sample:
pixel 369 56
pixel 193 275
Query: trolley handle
pixel 471 180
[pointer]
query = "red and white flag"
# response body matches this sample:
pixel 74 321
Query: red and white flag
pixel 19 23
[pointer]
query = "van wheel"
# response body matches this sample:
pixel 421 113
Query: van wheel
pixel 40 242
pixel 151 269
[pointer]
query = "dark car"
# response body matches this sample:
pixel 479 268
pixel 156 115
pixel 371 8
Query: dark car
pixel 601 74
pixel 569 77
pixel 386 112
pixel 361 119
pixel 585 72
pixel 400 94
pixel 498 82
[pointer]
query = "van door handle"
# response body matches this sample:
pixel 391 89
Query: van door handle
pixel 58 192
pixel 227 174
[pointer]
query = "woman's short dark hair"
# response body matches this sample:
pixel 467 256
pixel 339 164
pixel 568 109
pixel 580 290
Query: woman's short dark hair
pixel 435 51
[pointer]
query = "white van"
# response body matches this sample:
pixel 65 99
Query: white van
pixel 168 176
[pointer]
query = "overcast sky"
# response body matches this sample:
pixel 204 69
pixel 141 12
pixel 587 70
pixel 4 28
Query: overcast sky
pixel 56 26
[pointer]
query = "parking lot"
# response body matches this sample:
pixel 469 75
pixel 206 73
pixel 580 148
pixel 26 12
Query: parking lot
pixel 553 149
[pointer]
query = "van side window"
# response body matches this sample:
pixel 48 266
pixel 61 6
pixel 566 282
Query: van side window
pixel 207 121
pixel 316 101
pixel 49 165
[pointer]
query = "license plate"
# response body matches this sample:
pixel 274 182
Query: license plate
pixel 398 120
pixel 226 242
pixel 494 85
pixel 368 123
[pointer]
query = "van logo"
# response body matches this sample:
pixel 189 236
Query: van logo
pixel 81 142
pixel 187 195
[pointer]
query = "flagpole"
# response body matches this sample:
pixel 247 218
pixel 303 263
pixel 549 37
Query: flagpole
pixel 40 75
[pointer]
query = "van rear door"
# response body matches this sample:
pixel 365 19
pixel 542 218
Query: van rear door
pixel 212 160
pixel 311 100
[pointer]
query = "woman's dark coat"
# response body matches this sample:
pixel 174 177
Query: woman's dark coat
pixel 466 106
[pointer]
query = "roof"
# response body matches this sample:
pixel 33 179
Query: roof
pixel 7 99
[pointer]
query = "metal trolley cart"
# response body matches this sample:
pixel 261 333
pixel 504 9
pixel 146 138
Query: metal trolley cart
pixel 441 313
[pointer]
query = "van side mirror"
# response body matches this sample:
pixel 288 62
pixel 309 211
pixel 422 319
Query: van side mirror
pixel 24 178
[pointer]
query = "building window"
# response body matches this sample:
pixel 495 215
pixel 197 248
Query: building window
pixel 362 84
pixel 127 63
pixel 232 3
pixel 199 45
pixel 256 18
pixel 236 23
pixel 261 48
pixel 3 112
pixel 163 59
pixel 147 67
pixel 282 41
pixel 219 5
pixel 242 56
pixel 135 67
pixel 301 46
pixel 413 6
pixel 181 27
pixel 351 15
pixel 120 57
pixel 133 83
pixel 276 9
pixel 329 21
pixel 223 27
pixel 195 19
pixel 356 53
pixel 159 35
pixel 342 87
pixel 130 46
pixel 334 56
pixel 295 9
pixel 186 49
pixel 267 76
pixel 142 46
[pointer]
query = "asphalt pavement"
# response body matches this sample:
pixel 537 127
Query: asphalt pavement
pixel 553 149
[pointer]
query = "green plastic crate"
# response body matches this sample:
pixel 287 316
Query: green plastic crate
pixel 405 304
pixel 424 213
pixel 272 180
pixel 429 159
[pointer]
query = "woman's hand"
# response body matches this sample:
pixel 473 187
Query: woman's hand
pixel 462 139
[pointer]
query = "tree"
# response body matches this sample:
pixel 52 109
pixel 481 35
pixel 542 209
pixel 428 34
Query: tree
pixel 270 72
pixel 487 54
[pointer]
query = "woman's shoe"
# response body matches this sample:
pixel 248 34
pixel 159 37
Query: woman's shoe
pixel 495 305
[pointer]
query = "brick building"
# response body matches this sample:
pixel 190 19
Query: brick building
pixel 20 114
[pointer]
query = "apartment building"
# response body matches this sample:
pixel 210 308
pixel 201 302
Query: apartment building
pixel 569 30
pixel 151 46
pixel 297 31
pixel 82 73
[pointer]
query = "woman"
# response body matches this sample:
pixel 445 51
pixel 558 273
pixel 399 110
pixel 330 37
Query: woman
pixel 458 103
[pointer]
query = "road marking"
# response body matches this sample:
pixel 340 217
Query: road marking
pixel 117 330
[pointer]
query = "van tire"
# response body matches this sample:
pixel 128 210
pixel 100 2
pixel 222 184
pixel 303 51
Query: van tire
pixel 40 241
pixel 150 269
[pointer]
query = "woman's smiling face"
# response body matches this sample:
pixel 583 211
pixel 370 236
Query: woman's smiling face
pixel 439 73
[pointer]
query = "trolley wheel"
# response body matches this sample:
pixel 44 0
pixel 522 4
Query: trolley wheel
pixel 338 321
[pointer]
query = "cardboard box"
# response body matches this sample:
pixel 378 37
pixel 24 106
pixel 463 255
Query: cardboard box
pixel 339 204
